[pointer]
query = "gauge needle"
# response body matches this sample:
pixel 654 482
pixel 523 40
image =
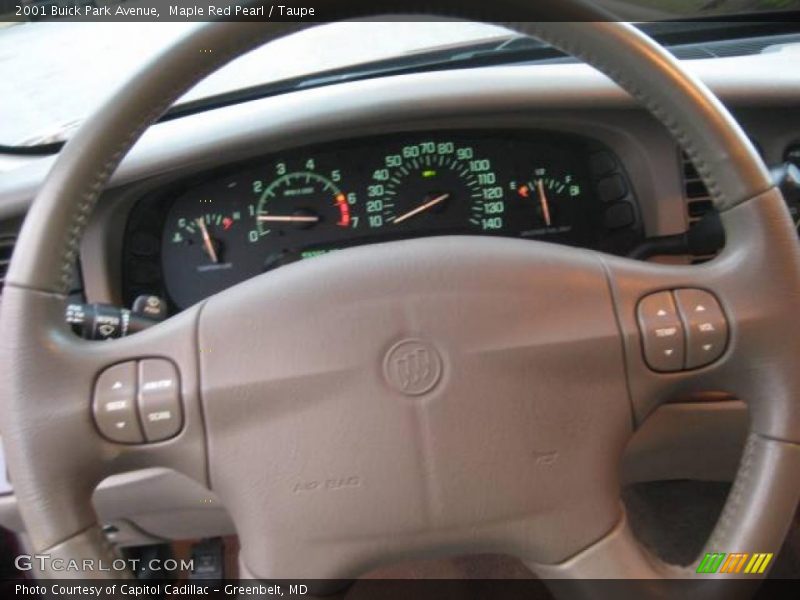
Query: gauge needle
pixel 543 201
pixel 289 218
pixel 207 241
pixel 421 208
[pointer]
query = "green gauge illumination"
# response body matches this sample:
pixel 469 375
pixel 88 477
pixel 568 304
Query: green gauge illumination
pixel 435 185
pixel 298 201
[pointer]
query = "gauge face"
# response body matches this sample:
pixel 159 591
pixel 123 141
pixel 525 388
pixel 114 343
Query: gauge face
pixel 207 236
pixel 205 241
pixel 205 244
pixel 300 201
pixel 545 202
pixel 434 186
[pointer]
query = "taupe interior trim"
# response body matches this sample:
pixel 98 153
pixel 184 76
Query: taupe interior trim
pixel 539 395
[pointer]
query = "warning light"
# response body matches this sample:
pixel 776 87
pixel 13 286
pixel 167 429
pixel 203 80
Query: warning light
pixel 428 174
pixel 344 211
pixel 226 223
pixel 524 191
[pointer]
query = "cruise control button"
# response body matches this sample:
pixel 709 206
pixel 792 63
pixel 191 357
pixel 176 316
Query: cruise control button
pixel 706 326
pixel 114 405
pixel 662 332
pixel 159 399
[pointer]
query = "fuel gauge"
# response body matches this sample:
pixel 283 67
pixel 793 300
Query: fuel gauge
pixel 544 202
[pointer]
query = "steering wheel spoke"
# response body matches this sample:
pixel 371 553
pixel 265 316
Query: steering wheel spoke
pixel 743 299
pixel 85 414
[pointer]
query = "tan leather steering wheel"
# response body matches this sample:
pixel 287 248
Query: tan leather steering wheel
pixel 539 351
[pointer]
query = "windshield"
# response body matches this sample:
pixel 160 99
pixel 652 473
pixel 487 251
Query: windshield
pixel 54 74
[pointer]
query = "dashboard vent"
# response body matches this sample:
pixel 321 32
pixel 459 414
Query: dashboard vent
pixel 697 198
pixel 6 248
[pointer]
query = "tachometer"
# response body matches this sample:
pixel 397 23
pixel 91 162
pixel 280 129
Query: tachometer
pixel 300 200
pixel 435 185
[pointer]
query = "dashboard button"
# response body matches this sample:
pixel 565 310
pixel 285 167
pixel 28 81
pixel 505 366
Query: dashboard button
pixel 706 326
pixel 159 399
pixel 602 163
pixel 612 188
pixel 662 332
pixel 114 405
pixel 619 215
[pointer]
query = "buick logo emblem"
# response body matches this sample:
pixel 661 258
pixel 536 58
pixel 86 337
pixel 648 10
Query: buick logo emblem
pixel 412 367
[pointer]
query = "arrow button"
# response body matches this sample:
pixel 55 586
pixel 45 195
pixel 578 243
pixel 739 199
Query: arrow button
pixel 706 326
pixel 662 332
pixel 114 404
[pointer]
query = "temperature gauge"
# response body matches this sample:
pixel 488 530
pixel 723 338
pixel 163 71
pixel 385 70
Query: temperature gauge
pixel 206 246
pixel 206 236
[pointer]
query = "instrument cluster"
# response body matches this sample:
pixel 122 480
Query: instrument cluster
pixel 201 235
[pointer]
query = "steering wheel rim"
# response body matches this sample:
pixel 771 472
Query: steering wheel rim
pixel 56 457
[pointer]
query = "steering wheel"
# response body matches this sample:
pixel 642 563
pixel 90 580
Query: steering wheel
pixel 421 397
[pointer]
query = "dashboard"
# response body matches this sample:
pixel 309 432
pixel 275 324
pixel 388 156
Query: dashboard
pixel 197 236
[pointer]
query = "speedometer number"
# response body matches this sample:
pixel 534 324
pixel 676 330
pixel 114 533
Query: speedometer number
pixel 435 185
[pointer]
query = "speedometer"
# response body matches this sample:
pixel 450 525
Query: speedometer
pixel 435 185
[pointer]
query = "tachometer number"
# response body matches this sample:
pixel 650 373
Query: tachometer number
pixel 301 200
